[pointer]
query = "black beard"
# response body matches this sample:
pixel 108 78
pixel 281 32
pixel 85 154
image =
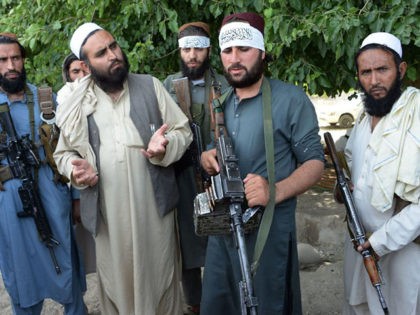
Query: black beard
pixel 251 77
pixel 112 80
pixel 381 107
pixel 15 85
pixel 195 73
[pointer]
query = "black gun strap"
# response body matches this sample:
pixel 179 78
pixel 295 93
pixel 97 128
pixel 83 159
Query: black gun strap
pixel 267 217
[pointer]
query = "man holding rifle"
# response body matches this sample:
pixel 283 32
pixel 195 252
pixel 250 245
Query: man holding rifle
pixel 31 270
pixel 296 142
pixel 193 88
pixel 383 154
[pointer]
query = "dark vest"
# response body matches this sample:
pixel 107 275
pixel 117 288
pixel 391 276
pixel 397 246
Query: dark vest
pixel 144 110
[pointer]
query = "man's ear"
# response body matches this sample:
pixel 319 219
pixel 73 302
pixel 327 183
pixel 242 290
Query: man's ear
pixel 403 68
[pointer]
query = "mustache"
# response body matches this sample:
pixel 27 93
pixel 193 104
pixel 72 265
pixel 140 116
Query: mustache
pixel 236 66
pixel 12 72
pixel 116 61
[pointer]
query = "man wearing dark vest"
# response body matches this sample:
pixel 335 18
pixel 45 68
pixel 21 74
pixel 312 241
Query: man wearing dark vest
pixel 119 134
pixel 26 266
pixel 201 85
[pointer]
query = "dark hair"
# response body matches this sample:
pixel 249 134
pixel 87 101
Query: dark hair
pixel 397 58
pixel 66 66
pixel 193 30
pixel 81 53
pixel 4 39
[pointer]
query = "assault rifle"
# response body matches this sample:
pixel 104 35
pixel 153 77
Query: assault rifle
pixel 182 91
pixel 355 226
pixel 228 185
pixel 22 160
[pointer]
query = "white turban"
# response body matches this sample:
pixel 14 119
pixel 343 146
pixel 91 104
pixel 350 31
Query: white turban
pixel 79 36
pixel 240 34
pixel 385 39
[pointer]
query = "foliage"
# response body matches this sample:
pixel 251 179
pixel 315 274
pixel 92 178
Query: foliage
pixel 312 42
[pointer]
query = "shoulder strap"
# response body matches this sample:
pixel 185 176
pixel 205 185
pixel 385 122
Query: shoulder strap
pixel 218 108
pixel 30 105
pixel 269 149
pixel 214 94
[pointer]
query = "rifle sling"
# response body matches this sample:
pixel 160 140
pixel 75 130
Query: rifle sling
pixel 183 102
pixel 267 217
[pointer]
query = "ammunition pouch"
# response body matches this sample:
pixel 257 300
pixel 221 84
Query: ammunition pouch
pixel 49 135
pixel 212 217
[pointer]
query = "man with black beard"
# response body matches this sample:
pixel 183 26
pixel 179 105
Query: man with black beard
pixel 194 51
pixel 26 264
pixel 383 154
pixel 119 134
pixel 257 109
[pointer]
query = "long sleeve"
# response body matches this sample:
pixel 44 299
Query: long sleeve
pixel 179 133
pixel 398 231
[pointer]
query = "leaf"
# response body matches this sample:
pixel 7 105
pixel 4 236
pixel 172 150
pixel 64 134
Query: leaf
pixel 411 73
pixel 56 25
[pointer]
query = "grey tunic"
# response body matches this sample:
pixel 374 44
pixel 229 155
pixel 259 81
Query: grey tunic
pixel 296 140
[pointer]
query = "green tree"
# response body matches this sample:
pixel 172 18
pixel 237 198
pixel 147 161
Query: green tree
pixel 312 42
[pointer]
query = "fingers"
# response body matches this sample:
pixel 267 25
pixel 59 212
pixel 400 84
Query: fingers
pixel 157 144
pixel 83 173
pixel 162 130
pixel 256 190
pixel 209 162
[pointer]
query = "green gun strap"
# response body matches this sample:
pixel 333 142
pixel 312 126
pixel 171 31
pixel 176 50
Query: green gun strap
pixel 267 217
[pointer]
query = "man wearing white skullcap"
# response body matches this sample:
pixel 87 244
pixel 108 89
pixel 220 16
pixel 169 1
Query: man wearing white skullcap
pixel 383 153
pixel 291 121
pixel 201 84
pixel 120 132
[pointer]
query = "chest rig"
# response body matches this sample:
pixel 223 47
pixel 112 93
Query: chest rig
pixel 48 131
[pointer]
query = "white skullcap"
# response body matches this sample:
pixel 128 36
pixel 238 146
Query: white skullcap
pixel 385 39
pixel 79 36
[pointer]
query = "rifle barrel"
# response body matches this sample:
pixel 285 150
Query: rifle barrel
pixel 370 263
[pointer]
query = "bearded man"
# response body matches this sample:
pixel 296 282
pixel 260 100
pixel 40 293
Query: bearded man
pixel 119 134
pixel 194 52
pixel 383 154
pixel 298 162
pixel 26 266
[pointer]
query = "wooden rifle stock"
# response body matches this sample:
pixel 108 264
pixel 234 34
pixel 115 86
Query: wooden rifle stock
pixel 356 228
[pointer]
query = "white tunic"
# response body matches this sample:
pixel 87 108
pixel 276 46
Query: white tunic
pixel 391 239
pixel 137 250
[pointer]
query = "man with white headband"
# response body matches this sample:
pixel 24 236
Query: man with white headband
pixel 120 132
pixel 298 164
pixel 383 153
pixel 199 84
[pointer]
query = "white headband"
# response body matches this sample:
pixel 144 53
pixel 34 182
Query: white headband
pixel 194 42
pixel 80 35
pixel 240 34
